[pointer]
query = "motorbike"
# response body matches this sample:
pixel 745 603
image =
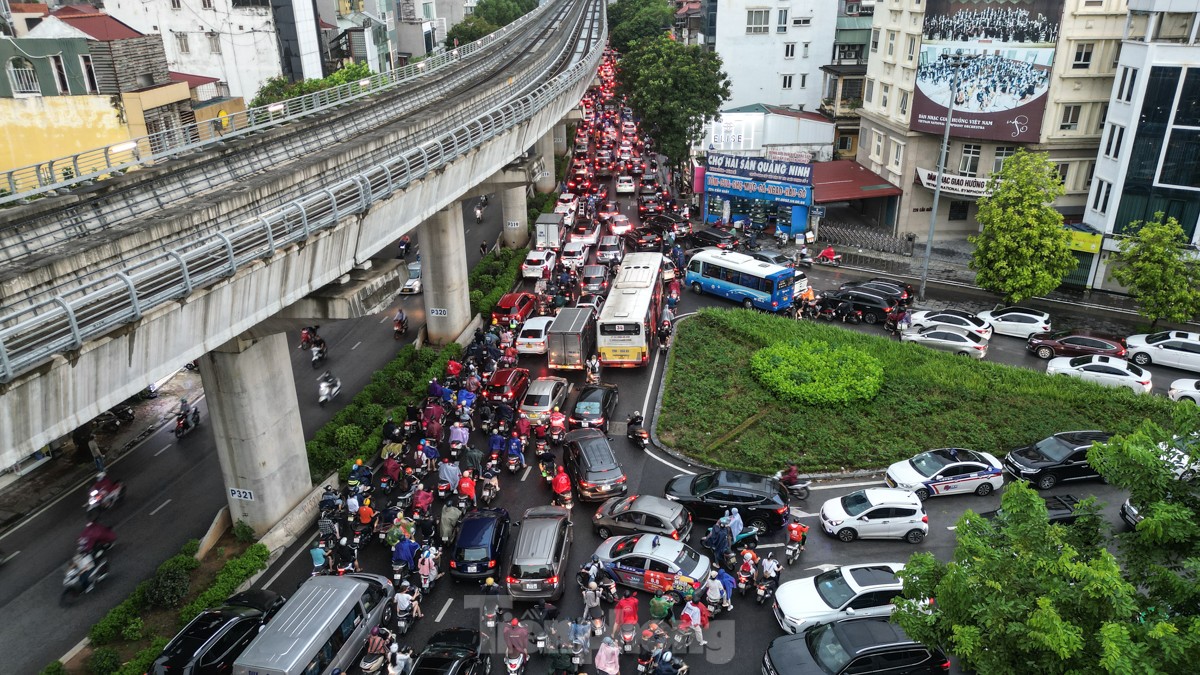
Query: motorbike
pixel 681 640
pixel 318 355
pixel 565 500
pixel 184 424
pixel 105 498
pixel 327 390
pixel 487 493
pixel 514 665
pixel 556 434
pixel 74 584
pixel 399 573
pixel 478 215
pixel 404 501
pixel 444 489
pixel 373 663
pixel 404 621
pixel 514 464
pixel 809 261
pixel 329 499
pixel 799 490
pixel 853 317
pixel 386 484
pixel 306 338
pixel 111 420
pixel 763 592
pixel 628 637
pixel 637 434
pixel 429 580
pixel 792 551
pixel 399 328
pixel 745 579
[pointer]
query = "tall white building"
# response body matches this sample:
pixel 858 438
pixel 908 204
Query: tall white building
pixel 1040 79
pixel 773 51
pixel 1149 156
pixel 240 42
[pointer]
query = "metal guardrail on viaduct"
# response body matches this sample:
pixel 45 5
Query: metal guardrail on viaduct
pixel 62 323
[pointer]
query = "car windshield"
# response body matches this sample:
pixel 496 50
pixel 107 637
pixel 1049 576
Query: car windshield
pixel 475 554
pixel 623 505
pixel 531 333
pixel 535 400
pixel 928 463
pixel 855 503
pixel 1054 449
pixel 687 559
pixel 587 408
pixel 833 589
pixel 828 652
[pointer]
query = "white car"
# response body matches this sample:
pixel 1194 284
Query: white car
pixel 1187 389
pixel 868 589
pixel 575 254
pixel 1018 322
pixel 1174 348
pixel 876 513
pixel 566 203
pixel 413 285
pixel 620 224
pixel 625 185
pixel 536 262
pixel 947 471
pixel 531 338
pixel 952 317
pixel 1106 370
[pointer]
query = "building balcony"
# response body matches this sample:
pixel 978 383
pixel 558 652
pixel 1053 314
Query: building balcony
pixel 840 108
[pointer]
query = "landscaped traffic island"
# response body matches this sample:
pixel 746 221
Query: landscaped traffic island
pixel 752 391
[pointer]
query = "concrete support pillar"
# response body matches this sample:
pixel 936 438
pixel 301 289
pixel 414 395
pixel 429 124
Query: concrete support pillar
pixel 560 139
pixel 444 270
pixel 516 217
pixel 545 151
pixel 256 420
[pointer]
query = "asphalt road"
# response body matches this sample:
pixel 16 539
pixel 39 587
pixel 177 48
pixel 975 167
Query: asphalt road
pixel 175 488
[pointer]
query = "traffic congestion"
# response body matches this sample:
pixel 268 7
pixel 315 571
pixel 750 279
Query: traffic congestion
pixel 507 490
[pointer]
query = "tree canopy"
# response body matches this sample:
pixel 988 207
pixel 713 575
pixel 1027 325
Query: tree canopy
pixel 675 90
pixel 500 13
pixel 631 21
pixel 280 88
pixel 1160 273
pixel 1023 251
pixel 469 29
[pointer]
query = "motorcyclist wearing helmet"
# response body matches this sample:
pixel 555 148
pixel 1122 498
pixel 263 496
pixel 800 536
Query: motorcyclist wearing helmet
pixel 516 447
pixel 634 423
pixel 797 531
pixel 523 426
pixel 561 483
pixel 592 366
pixel 448 472
pixel 516 639
pixel 791 476
pixel 557 421
pixel 466 486
pixel 459 433
pixel 377 644
pixel 95 536
pixel 768 571
pixel 347 554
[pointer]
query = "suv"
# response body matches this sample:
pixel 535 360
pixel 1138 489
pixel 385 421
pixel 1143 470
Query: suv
pixel 876 513
pixel 590 462
pixel 514 305
pixel 1059 509
pixel 454 651
pixel 610 248
pixel 1175 348
pixel 213 640
pixel 760 500
pixel 508 384
pixel 874 307
pixel 868 644
pixel 714 237
pixel 1060 457
pixel 539 558
pixel 478 544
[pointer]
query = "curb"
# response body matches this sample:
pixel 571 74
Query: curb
pixel 74 651
pixel 675 454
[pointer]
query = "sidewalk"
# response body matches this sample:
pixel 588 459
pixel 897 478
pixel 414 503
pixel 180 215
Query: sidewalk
pixel 71 466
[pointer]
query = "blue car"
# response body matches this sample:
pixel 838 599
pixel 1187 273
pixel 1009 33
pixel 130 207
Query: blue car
pixel 478 544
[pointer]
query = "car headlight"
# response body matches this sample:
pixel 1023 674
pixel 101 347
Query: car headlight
pixel 835 523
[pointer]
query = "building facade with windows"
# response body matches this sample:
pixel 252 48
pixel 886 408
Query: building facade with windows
pixel 1149 156
pixel 1039 76
pixel 845 74
pixel 773 51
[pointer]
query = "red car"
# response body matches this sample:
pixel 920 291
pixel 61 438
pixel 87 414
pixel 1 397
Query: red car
pixel 514 305
pixel 1075 343
pixel 508 384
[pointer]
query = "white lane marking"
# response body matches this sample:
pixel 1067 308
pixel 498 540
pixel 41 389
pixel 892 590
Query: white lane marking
pixel 646 406
pixel 85 482
pixel 356 344
pixel 284 566
pixel 526 474
pixel 165 448
pixel 845 485
pixel 160 507
pixel 952 527
pixel 386 315
pixel 444 608
pixel 797 512
pixel 10 556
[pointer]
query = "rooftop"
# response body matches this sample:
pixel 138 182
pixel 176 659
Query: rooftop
pixel 846 180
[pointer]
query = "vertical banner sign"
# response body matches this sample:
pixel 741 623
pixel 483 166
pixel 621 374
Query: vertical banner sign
pixel 1001 93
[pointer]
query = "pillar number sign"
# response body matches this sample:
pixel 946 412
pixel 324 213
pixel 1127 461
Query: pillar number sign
pixel 438 311
pixel 244 495
pixel 512 224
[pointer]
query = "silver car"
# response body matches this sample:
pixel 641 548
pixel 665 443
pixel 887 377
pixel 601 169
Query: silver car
pixel 544 394
pixel 948 338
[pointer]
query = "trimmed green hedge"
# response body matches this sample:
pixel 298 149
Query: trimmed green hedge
pixel 232 575
pixel 717 412
pixel 140 663
pixel 813 372
pixel 495 275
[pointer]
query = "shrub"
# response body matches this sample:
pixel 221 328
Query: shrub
pixel 243 532
pixel 167 589
pixel 54 668
pixel 104 661
pixel 815 373
pixel 134 630
pixel 113 623
pixel 350 436
pixel 141 662
pixel 232 575
pixel 190 548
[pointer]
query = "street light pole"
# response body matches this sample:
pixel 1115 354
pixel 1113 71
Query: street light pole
pixel 956 61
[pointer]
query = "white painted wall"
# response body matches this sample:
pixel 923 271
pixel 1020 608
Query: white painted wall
pixel 249 47
pixel 757 63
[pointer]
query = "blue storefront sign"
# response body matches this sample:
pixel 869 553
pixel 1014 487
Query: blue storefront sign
pixel 764 191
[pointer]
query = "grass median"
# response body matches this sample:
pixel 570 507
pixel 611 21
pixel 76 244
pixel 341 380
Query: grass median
pixel 717 411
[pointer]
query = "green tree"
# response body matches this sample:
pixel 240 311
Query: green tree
pixel 621 10
pixel 675 89
pixel 469 29
pixel 1023 250
pixel 1163 552
pixel 1154 264
pixel 1022 595
pixel 279 88
pixel 652 18
pixel 503 12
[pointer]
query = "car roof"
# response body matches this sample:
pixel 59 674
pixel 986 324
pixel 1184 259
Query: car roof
pixel 956 330
pixel 654 505
pixel 880 495
pixel 594 269
pixel 539 322
pixel 595 390
pixel 864 632
pixel 475 529
pixel 506 375
pixel 743 479
pixel 610 240
pixel 1016 309
pixel 575 246
pixel 594 448
pixel 544 385
pixel 872 575
pixel 957 455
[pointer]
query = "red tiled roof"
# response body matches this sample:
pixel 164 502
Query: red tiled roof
pixel 325 25
pixel 193 81
pixel 96 24
pixel 804 115
pixel 846 180
pixel 29 8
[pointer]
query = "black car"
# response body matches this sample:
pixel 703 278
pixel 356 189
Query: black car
pixel 883 289
pixel 593 466
pixel 212 641
pixel 645 239
pixel 867 644
pixel 1059 509
pixel 454 651
pixel 714 237
pixel 873 306
pixel 648 205
pixel 760 500
pixel 478 543
pixel 594 408
pixel 1060 457
pixel 908 292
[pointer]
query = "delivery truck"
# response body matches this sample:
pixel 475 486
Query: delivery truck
pixel 571 338
pixel 549 232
